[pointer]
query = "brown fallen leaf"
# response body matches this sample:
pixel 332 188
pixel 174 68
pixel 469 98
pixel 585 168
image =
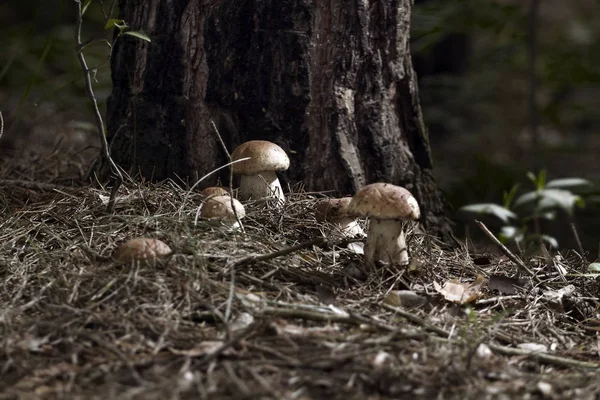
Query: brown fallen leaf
pixel 404 298
pixel 461 293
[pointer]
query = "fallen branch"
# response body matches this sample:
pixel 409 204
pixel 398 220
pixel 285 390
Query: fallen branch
pixel 269 256
pixel 507 252
pixel 417 320
pixel 310 315
pixel 543 357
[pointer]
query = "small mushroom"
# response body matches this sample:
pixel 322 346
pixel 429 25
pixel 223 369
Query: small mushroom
pixel 335 211
pixel 387 206
pixel 141 250
pixel 212 191
pixel 258 174
pixel 218 211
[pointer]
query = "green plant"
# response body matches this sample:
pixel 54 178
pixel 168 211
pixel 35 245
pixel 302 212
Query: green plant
pixel 521 216
pixel 89 72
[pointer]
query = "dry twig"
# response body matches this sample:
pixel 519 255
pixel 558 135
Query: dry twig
pixel 279 253
pixel 87 75
pixel 507 252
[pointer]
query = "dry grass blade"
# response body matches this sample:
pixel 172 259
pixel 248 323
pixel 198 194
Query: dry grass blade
pixel 189 192
pixel 224 148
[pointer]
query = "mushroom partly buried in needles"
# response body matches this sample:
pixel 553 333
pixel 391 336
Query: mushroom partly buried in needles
pixel 142 250
pixel 258 174
pixel 335 211
pixel 213 191
pixel 387 206
pixel 218 210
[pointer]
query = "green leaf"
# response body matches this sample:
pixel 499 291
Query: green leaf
pixel 489 208
pixel 527 198
pixel 509 232
pixel 546 199
pixel 550 241
pixel 541 183
pixel 139 35
pixel 508 197
pixel 594 267
pixel 538 181
pixel 558 198
pixel 85 6
pixel 569 183
pixel 115 23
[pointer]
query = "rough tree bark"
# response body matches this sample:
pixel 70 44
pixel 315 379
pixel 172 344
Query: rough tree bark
pixel 331 81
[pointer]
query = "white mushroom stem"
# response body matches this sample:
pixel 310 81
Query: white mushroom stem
pixel 349 227
pixel 261 186
pixel 386 242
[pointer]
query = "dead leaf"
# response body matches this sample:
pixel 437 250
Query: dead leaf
pixel 356 247
pixel 557 295
pixel 241 321
pixel 461 293
pixel 545 388
pixel 380 359
pixel 483 351
pixel 404 298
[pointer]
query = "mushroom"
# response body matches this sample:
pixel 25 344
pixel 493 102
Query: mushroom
pixel 387 206
pixel 218 210
pixel 212 191
pixel 258 174
pixel 141 250
pixel 335 211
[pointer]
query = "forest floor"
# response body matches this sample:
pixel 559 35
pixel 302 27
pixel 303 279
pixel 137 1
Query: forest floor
pixel 273 312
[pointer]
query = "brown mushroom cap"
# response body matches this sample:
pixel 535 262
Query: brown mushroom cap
pixel 219 207
pixel 141 249
pixel 214 191
pixel 384 201
pixel 264 156
pixel 329 209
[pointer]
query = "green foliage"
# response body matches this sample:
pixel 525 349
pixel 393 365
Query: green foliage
pixel 138 35
pixel 123 28
pixel 544 202
pixel 38 64
pixel 493 89
pixel 502 213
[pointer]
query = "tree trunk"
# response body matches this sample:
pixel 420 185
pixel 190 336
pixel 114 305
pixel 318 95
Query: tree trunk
pixel 330 81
